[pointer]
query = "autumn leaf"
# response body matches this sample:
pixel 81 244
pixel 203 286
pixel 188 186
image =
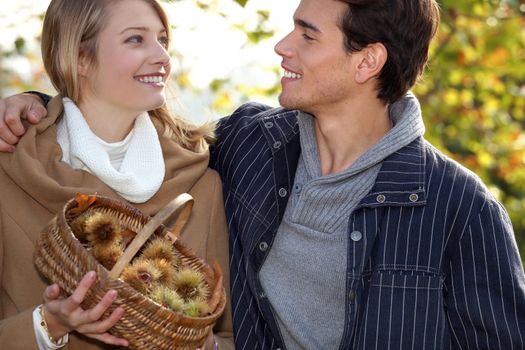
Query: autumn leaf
pixel 84 201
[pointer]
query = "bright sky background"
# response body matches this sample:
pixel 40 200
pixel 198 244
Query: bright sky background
pixel 211 47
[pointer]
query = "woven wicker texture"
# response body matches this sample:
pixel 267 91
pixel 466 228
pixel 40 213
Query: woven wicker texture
pixel 61 258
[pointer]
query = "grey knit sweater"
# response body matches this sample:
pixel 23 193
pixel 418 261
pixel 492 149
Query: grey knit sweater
pixel 304 273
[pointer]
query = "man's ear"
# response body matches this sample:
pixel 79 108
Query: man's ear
pixel 373 58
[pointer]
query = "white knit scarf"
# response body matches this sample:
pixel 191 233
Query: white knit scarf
pixel 141 172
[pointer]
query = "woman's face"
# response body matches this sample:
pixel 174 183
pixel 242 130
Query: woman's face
pixel 132 63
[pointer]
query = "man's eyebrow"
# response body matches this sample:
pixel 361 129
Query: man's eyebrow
pixel 302 23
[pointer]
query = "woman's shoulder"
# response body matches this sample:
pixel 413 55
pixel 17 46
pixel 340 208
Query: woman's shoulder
pixel 208 182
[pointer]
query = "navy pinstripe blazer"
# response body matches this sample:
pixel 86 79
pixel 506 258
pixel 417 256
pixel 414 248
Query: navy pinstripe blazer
pixel 437 266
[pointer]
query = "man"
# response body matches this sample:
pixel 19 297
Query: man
pixel 347 229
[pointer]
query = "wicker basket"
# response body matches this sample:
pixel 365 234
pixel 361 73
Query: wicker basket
pixel 61 258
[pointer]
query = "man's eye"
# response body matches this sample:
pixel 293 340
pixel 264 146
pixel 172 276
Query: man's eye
pixel 307 37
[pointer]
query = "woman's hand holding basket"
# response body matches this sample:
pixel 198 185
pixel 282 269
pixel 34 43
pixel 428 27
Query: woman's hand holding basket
pixel 65 315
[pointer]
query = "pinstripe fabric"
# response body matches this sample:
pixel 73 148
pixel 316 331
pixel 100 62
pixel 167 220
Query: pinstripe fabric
pixel 437 266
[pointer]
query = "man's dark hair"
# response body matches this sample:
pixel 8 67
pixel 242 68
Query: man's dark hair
pixel 404 27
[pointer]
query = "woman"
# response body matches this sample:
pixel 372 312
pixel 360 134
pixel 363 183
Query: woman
pixel 108 132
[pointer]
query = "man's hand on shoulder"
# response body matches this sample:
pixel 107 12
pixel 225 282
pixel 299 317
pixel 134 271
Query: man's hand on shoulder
pixel 12 110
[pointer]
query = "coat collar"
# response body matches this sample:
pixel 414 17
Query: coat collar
pixel 279 127
pixel 36 167
pixel 401 179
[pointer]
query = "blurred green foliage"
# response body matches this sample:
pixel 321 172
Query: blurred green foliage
pixel 472 95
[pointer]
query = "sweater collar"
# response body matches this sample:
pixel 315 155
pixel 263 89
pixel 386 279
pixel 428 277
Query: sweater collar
pixel 408 125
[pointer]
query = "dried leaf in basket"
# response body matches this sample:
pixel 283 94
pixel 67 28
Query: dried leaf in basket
pixel 84 201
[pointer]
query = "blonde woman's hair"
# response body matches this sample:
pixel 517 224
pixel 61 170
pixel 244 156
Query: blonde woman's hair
pixel 70 31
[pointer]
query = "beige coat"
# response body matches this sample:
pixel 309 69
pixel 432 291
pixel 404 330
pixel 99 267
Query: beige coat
pixel 35 184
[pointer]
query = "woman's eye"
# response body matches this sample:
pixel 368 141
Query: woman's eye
pixel 135 39
pixel 163 40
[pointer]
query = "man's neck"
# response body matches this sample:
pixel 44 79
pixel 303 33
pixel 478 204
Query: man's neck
pixel 345 134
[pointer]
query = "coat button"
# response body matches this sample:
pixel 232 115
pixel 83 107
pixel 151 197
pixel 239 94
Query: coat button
pixel 380 198
pixel 356 236
pixel 277 144
pixel 268 125
pixel 283 192
pixel 413 197
pixel 263 246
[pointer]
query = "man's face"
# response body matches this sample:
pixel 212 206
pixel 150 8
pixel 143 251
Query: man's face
pixel 319 73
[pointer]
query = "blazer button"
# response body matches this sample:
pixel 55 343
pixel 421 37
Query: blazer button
pixel 356 236
pixel 263 246
pixel 283 192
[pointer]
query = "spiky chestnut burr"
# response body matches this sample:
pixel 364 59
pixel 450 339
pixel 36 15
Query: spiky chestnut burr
pixel 107 255
pixel 190 285
pixel 159 248
pixel 102 229
pixel 141 275
pixel 196 308
pixel 167 298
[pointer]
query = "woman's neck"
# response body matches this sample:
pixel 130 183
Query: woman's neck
pixel 109 123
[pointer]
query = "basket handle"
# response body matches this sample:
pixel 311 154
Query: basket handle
pixel 183 204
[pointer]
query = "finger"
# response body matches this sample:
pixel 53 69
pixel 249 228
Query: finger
pixel 35 113
pixel 2 110
pixel 103 325
pixel 96 312
pixel 74 301
pixel 6 134
pixel 13 120
pixel 109 339
pixel 51 293
pixel 5 147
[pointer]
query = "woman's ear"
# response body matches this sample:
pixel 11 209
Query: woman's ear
pixel 83 65
pixel 373 58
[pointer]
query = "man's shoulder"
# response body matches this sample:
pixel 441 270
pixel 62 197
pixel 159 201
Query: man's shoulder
pixel 251 113
pixel 449 167
pixel 254 131
pixel 446 173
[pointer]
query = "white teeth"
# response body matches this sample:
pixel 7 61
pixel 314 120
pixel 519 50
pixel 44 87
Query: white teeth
pixel 150 79
pixel 288 74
